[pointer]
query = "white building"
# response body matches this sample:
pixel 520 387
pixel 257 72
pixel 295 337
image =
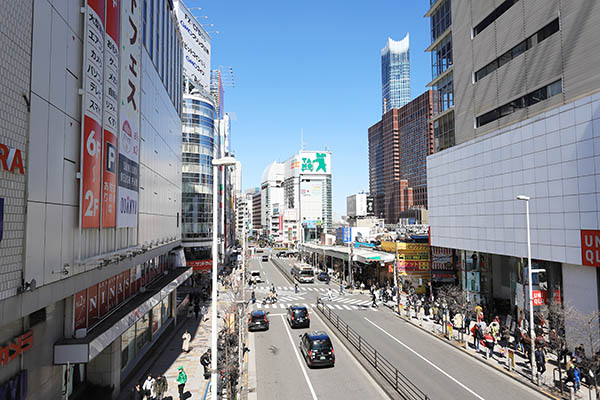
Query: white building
pixel 356 205
pixel 90 199
pixel 271 191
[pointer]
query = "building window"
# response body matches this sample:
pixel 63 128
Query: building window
pixel 441 20
pixel 142 332
pixel 444 89
pixel 494 15
pixel 529 99
pixel 127 346
pixel 144 10
pixel 519 49
pixel 443 132
pixel 441 57
pixel 151 44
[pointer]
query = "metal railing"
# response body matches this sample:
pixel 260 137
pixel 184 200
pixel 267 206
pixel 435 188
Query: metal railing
pixel 405 388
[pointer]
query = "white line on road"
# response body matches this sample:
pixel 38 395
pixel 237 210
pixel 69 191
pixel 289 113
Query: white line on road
pixel 424 359
pixel 310 386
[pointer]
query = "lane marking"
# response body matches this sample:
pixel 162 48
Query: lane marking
pixel 310 386
pixel 426 360
pixel 352 357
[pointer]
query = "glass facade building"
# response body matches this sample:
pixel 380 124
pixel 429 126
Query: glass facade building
pixel 395 74
pixel 198 147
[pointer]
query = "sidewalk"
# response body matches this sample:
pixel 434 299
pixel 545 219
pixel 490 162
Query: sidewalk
pixel 521 371
pixel 169 357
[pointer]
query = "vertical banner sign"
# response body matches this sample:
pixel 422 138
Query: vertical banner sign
pixel 102 298
pixel 590 248
pixel 129 131
pixel 112 292
pixel 91 158
pixel 80 303
pixel 119 288
pixel 126 284
pixel 92 305
pixel 111 114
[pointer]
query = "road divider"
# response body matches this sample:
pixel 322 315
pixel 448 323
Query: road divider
pixel 398 381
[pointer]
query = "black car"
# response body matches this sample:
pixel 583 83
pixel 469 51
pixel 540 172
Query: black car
pixel 317 350
pixel 265 258
pixel 298 317
pixel 323 276
pixel 259 320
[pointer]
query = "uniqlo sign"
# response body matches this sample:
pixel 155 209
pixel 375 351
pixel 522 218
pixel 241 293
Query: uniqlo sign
pixel 539 297
pixel 590 248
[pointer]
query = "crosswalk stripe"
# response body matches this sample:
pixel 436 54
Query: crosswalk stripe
pixel 313 305
pixel 278 287
pixel 310 289
pixel 266 306
pixel 338 307
pixel 259 305
pixel 330 306
pixel 347 307
pixel 354 307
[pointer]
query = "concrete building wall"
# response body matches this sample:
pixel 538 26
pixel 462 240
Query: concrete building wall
pixel 15 39
pixel 568 55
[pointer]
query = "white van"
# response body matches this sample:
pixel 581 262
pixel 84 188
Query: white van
pixel 255 276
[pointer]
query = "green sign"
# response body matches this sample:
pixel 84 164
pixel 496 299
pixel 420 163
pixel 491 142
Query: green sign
pixel 309 164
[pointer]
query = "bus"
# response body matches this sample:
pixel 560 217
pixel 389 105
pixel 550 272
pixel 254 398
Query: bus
pixel 303 273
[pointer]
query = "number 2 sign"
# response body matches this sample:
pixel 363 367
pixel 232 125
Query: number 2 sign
pixel 92 170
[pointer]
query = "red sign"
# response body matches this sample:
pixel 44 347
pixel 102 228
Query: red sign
pixel 119 288
pixel 590 248
pixel 200 265
pixel 102 298
pixel 109 181
pixel 539 297
pixel 13 349
pixel 126 284
pixel 112 292
pixel 80 305
pixel 92 305
pixel 11 159
pixel 90 210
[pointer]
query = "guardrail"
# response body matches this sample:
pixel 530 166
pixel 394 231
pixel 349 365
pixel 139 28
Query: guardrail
pixel 405 388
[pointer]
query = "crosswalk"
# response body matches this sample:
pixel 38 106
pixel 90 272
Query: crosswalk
pixel 332 306
pixel 314 289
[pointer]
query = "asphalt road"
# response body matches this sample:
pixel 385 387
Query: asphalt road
pixel 281 371
pixel 439 370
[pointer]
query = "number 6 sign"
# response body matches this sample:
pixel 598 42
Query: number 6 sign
pixel 92 170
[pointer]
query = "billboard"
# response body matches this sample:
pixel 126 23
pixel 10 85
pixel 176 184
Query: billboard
pixel 129 113
pixel 315 162
pixel 590 248
pixel 111 114
pixel 196 47
pixel 370 205
pixel 200 265
pixel 92 110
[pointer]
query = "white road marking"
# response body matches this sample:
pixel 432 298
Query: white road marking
pixel 330 306
pixel 338 307
pixel 310 386
pixel 347 307
pixel 424 359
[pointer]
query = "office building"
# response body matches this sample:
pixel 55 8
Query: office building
pixel 257 230
pixel 90 200
pixel 442 73
pixel 271 191
pixel 398 146
pixel 528 123
pixel 395 74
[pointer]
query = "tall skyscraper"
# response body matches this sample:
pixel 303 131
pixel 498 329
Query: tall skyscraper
pixel 395 74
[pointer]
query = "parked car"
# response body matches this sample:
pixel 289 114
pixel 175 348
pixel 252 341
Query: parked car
pixel 259 320
pixel 317 349
pixel 298 317
pixel 323 276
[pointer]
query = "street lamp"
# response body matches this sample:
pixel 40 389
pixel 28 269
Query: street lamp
pixel 216 163
pixel 530 273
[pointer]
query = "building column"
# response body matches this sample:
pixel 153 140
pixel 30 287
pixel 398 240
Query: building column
pixel 105 369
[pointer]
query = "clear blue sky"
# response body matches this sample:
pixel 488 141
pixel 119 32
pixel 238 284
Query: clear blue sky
pixel 313 65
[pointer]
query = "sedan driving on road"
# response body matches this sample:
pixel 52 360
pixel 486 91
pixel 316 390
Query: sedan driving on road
pixel 298 317
pixel 259 320
pixel 323 276
pixel 317 350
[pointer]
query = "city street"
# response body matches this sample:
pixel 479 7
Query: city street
pixel 437 369
pixel 282 373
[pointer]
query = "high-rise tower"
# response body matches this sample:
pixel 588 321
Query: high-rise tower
pixel 395 74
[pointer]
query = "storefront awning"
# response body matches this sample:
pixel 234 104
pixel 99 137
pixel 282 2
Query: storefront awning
pixel 77 351
pixel 361 255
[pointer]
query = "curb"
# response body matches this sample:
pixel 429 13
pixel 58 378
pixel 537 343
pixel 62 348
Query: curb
pixel 502 370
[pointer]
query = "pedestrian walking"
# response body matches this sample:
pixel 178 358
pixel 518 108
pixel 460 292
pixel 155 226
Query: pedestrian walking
pixel 540 360
pixel 205 360
pixel 489 342
pixel 362 287
pixel 341 288
pixel 253 297
pixel 329 294
pixel 181 381
pixel 204 312
pixel 374 300
pixel 147 387
pixel 138 392
pixel 187 337
pixel 296 287
pixel 161 387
